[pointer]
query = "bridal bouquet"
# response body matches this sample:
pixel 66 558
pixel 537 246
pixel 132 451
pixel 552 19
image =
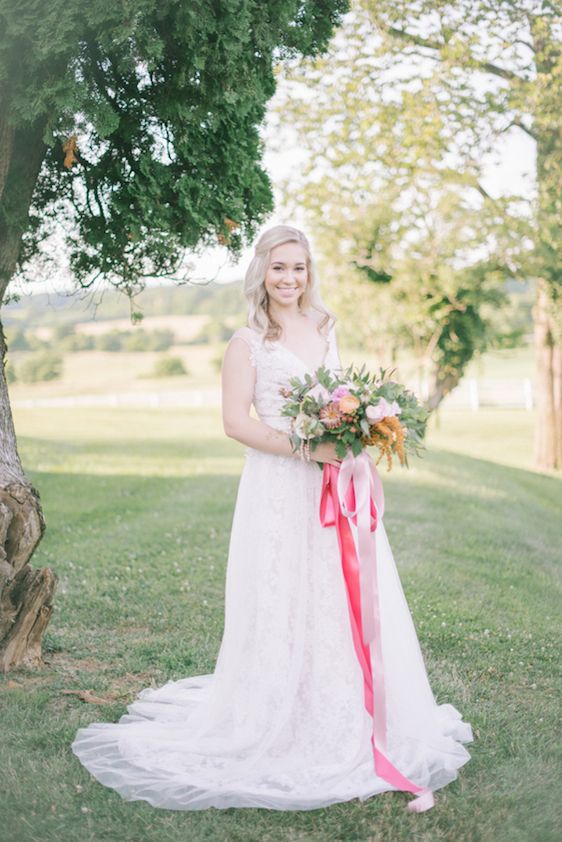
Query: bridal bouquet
pixel 355 409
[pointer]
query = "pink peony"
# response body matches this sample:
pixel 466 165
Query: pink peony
pixel 340 392
pixel 376 412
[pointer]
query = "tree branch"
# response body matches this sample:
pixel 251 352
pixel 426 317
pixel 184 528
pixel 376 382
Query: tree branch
pixel 521 126
pixel 483 192
pixel 525 43
pixel 486 66
pixel 524 128
pixel 414 39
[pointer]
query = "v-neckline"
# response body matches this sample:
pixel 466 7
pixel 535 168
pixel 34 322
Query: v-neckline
pixel 296 356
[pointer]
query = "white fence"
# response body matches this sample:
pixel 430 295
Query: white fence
pixel 471 393
pixel 475 393
pixel 186 397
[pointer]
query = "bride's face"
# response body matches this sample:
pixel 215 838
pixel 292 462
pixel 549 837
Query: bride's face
pixel 287 275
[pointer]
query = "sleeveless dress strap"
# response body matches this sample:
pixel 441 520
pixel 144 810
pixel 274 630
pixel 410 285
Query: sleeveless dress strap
pixel 248 336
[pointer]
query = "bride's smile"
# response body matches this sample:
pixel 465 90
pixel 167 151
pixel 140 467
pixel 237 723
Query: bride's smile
pixel 286 278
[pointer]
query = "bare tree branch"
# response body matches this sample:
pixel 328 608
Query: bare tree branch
pixel 485 66
pixel 521 126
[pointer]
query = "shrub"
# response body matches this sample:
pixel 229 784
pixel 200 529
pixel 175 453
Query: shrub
pixel 9 372
pixel 62 331
pixel 110 341
pixel 77 342
pixel 217 360
pixel 17 340
pixel 136 340
pixel 215 330
pixel 169 367
pixel 36 344
pixel 43 365
pixel 161 340
pixel 145 340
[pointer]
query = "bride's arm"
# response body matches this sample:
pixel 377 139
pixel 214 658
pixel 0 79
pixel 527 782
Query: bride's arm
pixel 238 377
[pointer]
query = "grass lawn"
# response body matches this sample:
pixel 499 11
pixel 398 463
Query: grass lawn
pixel 139 507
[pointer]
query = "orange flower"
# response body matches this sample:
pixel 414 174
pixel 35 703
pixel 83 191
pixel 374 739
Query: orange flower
pixel 387 434
pixel 348 403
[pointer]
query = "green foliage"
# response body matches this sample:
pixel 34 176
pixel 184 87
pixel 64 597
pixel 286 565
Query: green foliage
pixel 222 300
pixel 136 340
pixel 349 428
pixel 215 330
pixel 111 340
pixel 17 340
pixel 43 365
pixel 164 101
pixel 62 331
pixel 9 372
pixel 217 360
pixel 35 342
pixel 65 338
pixel 77 342
pixel 406 226
pixel 145 340
pixel 169 367
pixel 218 300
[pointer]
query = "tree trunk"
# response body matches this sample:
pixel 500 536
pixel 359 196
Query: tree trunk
pixel 548 354
pixel 548 291
pixel 25 593
pixel 439 387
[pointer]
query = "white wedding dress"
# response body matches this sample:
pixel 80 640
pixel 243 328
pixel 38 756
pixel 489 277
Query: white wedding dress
pixel 281 723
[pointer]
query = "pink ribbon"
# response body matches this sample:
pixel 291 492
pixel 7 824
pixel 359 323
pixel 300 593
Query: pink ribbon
pixel 353 493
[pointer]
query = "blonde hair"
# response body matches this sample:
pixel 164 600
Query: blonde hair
pixel 259 318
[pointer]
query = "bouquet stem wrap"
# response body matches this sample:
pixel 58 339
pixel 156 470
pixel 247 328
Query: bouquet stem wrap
pixel 353 493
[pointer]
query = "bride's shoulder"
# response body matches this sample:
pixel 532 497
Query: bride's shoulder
pixel 245 333
pixel 248 337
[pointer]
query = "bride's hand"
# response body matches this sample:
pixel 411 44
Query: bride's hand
pixel 326 452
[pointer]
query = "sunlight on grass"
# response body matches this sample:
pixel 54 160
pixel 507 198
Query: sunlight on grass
pixel 139 506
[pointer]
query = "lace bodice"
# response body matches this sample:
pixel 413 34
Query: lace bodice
pixel 275 364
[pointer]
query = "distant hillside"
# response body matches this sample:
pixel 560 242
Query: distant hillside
pixel 50 310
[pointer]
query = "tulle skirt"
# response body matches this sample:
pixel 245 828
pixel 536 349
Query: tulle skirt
pixel 281 722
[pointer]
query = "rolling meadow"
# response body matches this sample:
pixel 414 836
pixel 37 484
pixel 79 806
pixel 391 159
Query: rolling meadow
pixel 139 502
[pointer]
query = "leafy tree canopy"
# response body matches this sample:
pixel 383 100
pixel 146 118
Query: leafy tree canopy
pixel 412 98
pixel 135 125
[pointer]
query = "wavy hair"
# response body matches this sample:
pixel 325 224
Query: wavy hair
pixel 259 316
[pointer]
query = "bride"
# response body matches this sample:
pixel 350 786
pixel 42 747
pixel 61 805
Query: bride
pixel 281 723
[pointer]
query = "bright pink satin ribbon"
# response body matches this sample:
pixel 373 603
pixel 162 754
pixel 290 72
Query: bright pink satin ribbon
pixel 353 493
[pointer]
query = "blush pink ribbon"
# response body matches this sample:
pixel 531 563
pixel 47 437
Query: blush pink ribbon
pixel 353 493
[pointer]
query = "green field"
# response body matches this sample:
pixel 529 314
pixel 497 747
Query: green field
pixel 139 505
pixel 102 372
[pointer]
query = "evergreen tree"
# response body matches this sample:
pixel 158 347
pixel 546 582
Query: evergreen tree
pixel 134 126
